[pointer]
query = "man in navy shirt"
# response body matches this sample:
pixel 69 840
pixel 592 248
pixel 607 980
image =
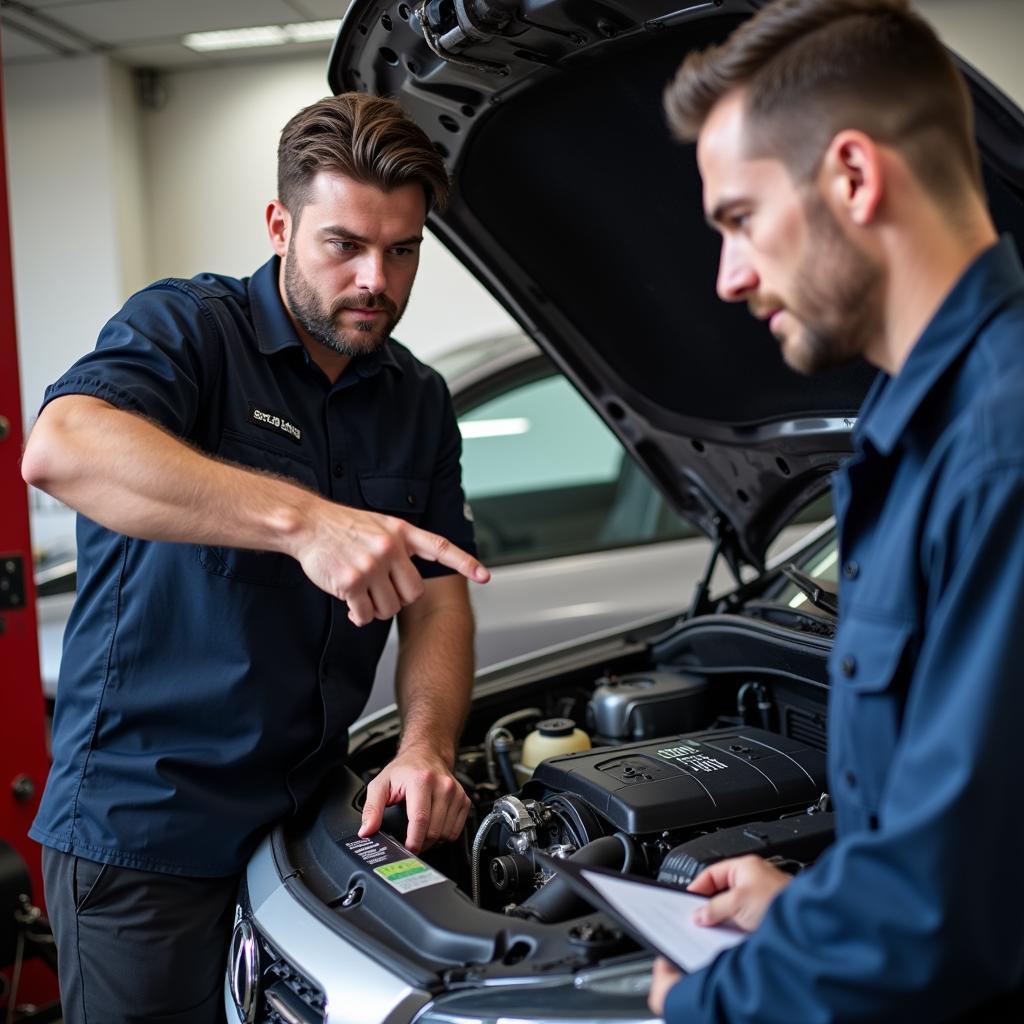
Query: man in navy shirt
pixel 264 479
pixel 835 143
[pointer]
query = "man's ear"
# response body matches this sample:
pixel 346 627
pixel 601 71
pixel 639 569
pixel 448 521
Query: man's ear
pixel 279 226
pixel 852 176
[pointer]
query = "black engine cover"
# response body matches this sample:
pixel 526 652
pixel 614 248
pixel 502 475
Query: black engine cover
pixel 697 779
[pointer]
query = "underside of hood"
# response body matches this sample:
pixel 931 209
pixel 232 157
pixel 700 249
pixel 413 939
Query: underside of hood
pixel 577 210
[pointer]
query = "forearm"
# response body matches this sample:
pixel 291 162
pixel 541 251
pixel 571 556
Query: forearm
pixel 434 677
pixel 131 476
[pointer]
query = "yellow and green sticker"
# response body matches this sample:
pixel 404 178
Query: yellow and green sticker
pixel 409 874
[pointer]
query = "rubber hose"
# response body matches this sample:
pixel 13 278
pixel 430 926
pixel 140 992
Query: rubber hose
pixel 478 844
pixel 556 901
pixel 503 759
pixel 630 851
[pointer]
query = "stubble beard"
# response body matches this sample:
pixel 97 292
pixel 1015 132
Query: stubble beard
pixel 321 323
pixel 836 298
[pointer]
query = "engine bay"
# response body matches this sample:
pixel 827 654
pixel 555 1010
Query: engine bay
pixel 639 762
pixel 632 806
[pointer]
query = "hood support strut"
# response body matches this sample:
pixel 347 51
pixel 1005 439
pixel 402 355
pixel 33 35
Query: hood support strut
pixel 700 604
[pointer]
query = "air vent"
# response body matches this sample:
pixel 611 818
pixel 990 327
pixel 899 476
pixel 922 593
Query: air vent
pixel 808 727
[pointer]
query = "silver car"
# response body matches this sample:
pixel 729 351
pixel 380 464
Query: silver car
pixel 655 749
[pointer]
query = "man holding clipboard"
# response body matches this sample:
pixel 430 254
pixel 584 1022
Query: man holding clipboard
pixel 835 142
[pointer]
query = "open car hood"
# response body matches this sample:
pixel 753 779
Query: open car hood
pixel 572 204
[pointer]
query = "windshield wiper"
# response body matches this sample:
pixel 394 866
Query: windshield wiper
pixel 819 596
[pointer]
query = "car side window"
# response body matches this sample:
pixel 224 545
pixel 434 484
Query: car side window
pixel 545 477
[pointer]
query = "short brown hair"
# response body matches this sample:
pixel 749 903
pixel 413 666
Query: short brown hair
pixel 367 138
pixel 811 68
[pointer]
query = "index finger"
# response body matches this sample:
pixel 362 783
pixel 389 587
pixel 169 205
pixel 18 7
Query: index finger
pixel 435 548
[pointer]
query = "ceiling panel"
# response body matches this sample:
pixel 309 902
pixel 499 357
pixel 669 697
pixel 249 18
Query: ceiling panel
pixel 49 4
pixel 41 4
pixel 157 55
pixel 321 10
pixel 18 47
pixel 124 21
pixel 168 56
pixel 146 33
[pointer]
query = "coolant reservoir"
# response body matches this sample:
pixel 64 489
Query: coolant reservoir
pixel 551 737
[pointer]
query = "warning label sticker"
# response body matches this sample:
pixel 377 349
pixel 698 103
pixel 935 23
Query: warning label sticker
pixel 392 863
pixel 408 874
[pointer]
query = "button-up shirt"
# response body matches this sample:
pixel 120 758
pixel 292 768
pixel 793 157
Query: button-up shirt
pixel 206 691
pixel 916 913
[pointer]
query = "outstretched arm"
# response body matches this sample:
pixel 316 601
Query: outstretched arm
pixel 130 475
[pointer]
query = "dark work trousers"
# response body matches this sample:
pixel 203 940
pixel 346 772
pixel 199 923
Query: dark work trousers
pixel 136 947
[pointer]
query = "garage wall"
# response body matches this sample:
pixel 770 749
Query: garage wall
pixel 76 186
pixel 986 33
pixel 62 160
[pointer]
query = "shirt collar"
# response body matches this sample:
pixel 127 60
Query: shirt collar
pixel 275 331
pixel 985 286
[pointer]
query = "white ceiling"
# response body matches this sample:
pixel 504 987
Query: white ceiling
pixel 148 33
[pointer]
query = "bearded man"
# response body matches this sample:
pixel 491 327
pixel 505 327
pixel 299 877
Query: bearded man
pixel 264 479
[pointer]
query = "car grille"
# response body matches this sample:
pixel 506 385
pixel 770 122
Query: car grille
pixel 287 996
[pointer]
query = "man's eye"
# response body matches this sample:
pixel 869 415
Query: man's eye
pixel 401 250
pixel 343 244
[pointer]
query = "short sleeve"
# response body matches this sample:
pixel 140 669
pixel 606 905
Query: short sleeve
pixel 155 357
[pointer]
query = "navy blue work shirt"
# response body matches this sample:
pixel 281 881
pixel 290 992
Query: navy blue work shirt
pixel 916 913
pixel 206 691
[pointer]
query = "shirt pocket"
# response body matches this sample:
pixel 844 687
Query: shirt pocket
pixel 396 494
pixel 866 670
pixel 260 568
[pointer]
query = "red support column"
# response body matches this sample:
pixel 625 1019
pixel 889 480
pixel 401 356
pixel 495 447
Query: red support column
pixel 23 755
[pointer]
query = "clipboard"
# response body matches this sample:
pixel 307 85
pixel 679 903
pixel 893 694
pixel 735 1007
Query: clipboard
pixel 654 913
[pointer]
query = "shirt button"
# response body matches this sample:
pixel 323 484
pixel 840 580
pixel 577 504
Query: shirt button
pixel 850 779
pixel 851 570
pixel 338 469
pixel 848 666
pixel 411 499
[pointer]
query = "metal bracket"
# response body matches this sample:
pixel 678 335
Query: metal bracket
pixel 12 581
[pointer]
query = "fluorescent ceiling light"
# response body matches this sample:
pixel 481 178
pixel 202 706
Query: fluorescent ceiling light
pixel 494 428
pixel 262 35
pixel 313 31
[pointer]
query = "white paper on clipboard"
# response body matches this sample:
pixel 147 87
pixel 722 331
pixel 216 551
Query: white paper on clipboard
pixel 665 917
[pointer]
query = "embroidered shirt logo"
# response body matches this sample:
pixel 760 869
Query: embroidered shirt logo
pixel 275 422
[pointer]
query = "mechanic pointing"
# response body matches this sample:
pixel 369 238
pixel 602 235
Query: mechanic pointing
pixel 835 142
pixel 264 478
